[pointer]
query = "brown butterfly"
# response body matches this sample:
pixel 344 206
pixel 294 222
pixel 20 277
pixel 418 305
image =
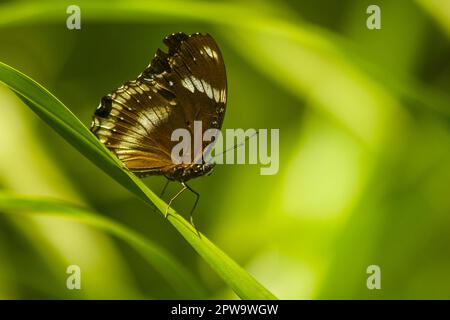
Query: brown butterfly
pixel 186 84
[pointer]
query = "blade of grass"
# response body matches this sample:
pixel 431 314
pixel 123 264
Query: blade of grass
pixel 175 274
pixel 59 117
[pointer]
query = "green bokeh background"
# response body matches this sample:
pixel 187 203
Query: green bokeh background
pixel 364 176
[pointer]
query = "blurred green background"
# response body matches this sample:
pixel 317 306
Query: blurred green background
pixel 364 149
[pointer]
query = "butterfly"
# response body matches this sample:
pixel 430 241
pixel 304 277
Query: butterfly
pixel 185 84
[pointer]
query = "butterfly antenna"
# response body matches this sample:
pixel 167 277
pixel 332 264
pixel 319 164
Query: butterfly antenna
pixel 234 147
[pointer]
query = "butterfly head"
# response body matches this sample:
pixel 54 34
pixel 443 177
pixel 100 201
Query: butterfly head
pixel 197 170
pixel 190 171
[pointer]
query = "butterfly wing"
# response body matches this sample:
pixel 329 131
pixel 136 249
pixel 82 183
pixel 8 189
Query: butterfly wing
pixel 186 84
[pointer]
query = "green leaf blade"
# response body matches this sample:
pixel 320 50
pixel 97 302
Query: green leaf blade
pixel 181 280
pixel 59 117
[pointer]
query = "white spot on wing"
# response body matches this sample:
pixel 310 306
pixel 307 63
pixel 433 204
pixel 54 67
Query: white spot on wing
pixel 197 83
pixel 107 125
pixel 209 51
pixel 125 95
pixel 119 102
pixel 186 82
pixel 223 96
pixel 131 91
pixel 138 90
pixel 104 132
pixel 208 90
pixel 216 94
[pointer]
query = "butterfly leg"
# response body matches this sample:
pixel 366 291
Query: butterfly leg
pixel 164 188
pixel 173 198
pixel 191 217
